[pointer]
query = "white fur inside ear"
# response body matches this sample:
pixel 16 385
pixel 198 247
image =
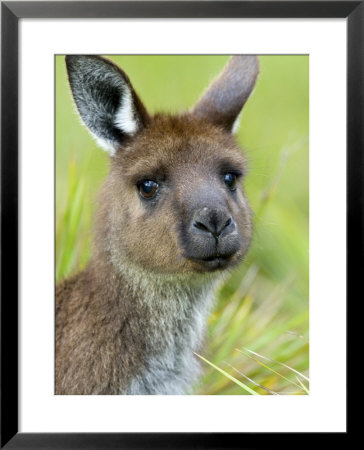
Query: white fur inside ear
pixel 236 124
pixel 125 117
pixel 106 145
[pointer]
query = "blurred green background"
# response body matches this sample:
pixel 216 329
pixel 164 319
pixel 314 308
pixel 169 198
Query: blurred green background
pixel 258 333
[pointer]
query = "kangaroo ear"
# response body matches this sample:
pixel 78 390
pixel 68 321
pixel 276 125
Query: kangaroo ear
pixel 226 96
pixel 105 99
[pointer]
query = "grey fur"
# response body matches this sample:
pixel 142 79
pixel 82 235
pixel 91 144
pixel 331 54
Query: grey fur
pixel 178 309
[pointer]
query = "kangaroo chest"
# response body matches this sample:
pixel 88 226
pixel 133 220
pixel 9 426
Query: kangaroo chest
pixel 174 328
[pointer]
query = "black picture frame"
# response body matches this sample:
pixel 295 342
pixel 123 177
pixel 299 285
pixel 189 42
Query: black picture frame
pixel 11 12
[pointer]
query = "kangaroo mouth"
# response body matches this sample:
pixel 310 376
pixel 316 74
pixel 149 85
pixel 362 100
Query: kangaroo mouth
pixel 214 262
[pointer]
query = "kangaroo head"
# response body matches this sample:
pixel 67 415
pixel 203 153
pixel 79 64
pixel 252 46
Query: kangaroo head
pixel 173 201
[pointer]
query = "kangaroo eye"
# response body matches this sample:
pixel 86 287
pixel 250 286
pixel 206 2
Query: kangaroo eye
pixel 148 188
pixel 230 181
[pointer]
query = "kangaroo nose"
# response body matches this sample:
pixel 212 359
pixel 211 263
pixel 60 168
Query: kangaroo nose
pixel 215 222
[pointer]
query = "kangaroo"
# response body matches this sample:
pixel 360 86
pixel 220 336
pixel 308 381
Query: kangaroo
pixel 172 218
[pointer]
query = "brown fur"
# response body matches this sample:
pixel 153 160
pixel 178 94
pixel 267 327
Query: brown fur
pixel 91 330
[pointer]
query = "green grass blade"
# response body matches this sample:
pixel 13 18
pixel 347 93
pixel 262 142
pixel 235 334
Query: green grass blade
pixel 277 362
pixel 269 368
pixel 239 383
pixel 249 379
pixel 303 386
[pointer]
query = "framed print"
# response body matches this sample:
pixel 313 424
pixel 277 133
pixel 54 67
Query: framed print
pixel 163 267
pixel 133 75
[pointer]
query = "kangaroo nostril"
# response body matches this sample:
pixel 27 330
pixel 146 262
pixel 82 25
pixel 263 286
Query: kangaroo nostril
pixel 201 226
pixel 227 223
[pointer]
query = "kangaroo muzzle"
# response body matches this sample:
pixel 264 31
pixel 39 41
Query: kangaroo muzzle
pixel 212 236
